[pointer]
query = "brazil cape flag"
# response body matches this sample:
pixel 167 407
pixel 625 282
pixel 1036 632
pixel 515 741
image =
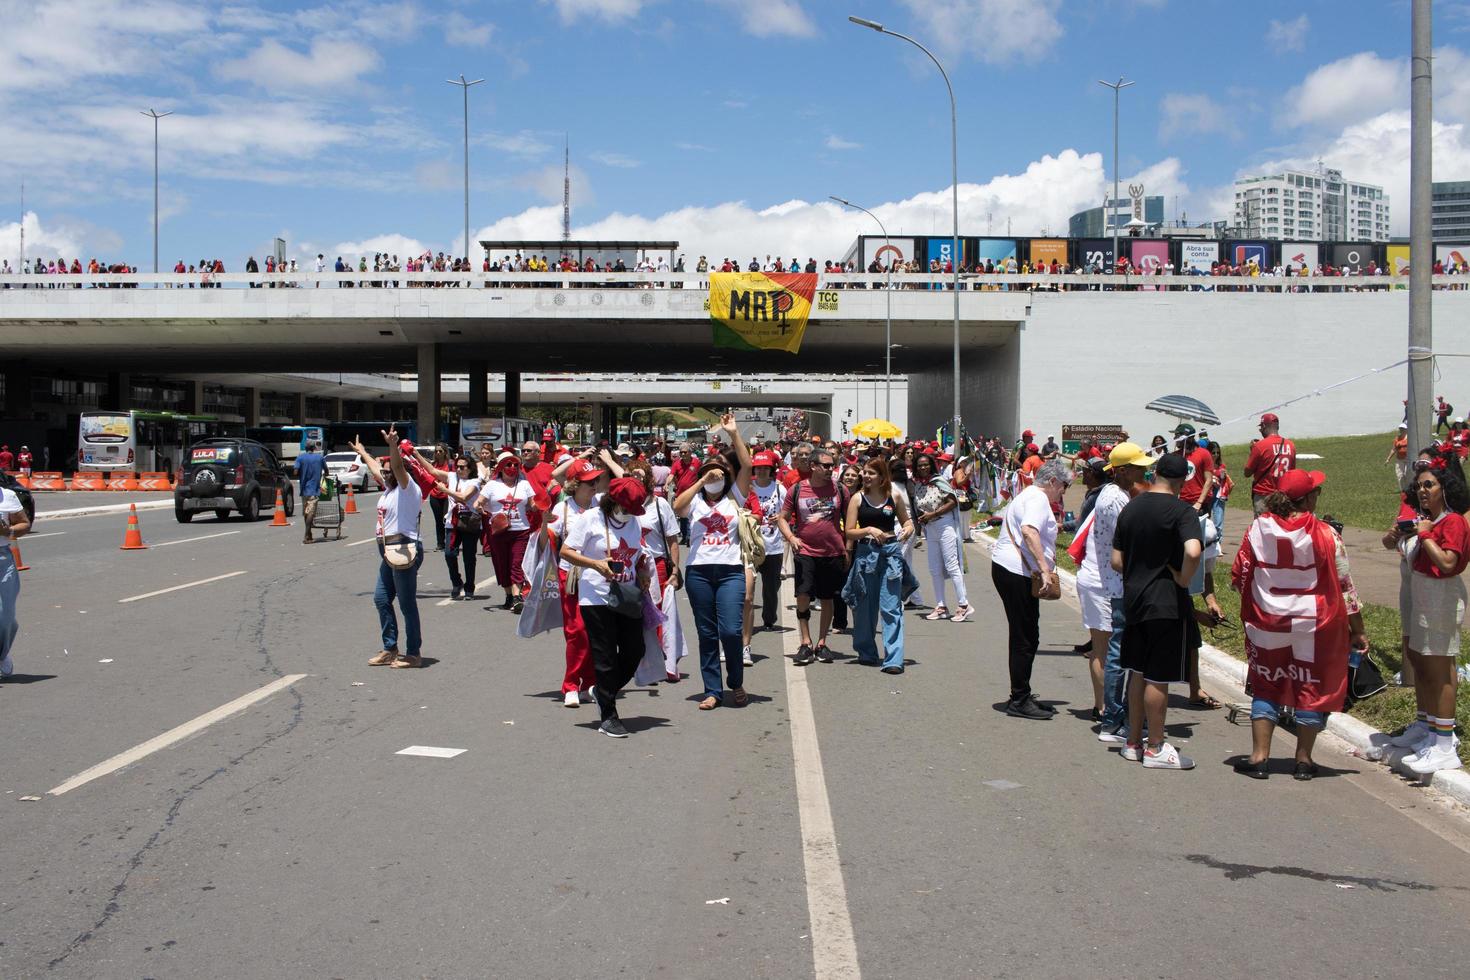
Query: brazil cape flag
pixel 760 310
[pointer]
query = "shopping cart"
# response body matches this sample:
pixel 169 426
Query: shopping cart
pixel 329 508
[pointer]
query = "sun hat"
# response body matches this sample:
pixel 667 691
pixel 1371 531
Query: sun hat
pixel 506 457
pixel 1296 484
pixel 1128 454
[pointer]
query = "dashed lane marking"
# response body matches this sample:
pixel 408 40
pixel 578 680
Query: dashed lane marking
pixel 176 588
pixel 202 537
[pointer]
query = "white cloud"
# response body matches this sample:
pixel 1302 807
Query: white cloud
pixel 694 147
pixel 573 11
pixel 1346 91
pixel 42 44
pixel 43 242
pixel 460 30
pixel 546 183
pixel 772 18
pixel 276 67
pixel 392 243
pixel 835 142
pixel 615 160
pixel 995 31
pixel 522 144
pixel 1195 114
pixel 1288 35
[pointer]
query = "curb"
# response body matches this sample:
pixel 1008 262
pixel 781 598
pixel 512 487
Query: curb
pixel 1453 783
pixel 51 515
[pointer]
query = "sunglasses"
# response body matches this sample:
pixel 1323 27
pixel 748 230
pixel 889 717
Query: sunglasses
pixel 1425 485
pixel 825 466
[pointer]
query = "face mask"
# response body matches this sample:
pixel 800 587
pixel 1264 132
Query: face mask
pixel 715 487
pixel 619 514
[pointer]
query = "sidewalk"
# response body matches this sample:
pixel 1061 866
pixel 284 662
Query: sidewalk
pixel 80 503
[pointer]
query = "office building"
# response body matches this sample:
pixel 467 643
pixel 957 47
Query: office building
pixel 1304 206
pixel 1451 221
pixel 1098 222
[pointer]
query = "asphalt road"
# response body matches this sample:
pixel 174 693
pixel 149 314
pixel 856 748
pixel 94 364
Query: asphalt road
pixel 288 840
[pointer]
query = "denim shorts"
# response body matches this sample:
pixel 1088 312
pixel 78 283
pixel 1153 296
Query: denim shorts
pixel 1271 712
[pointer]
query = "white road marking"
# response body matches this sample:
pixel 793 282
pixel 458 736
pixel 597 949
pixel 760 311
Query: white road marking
pixel 174 735
pixel 202 537
pixel 175 588
pixel 431 751
pixel 48 534
pixel 478 586
pixel 834 951
pixel 354 544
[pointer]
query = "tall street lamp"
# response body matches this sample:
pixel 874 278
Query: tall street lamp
pixel 1117 88
pixel 155 116
pixel 466 86
pixel 954 162
pixel 888 313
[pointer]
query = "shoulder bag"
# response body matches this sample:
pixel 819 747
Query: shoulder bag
pixel 623 598
pixel 1040 589
pixel 752 545
pixel 400 551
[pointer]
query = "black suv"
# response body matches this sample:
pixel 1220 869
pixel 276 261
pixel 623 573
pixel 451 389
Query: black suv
pixel 231 474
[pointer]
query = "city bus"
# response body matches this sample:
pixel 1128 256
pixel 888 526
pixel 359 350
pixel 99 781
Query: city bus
pixel 286 441
pixel 499 431
pixel 143 442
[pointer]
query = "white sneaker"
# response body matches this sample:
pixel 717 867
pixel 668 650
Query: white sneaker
pixel 937 613
pixel 1112 736
pixel 571 700
pixel 1433 759
pixel 1131 753
pixel 1167 757
pixel 1412 735
pixel 746 658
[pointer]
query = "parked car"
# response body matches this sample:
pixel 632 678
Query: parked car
pixel 348 470
pixel 230 474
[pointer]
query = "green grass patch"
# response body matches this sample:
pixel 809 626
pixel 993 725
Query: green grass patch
pixel 1360 488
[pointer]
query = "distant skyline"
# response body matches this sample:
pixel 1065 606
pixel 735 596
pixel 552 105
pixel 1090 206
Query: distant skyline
pixel 724 124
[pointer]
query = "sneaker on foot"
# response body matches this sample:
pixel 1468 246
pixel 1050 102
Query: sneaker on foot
pixel 1433 759
pixel 571 700
pixel 7 666
pixel 823 654
pixel 746 658
pixel 1027 708
pixel 937 613
pixel 1131 752
pixel 1113 736
pixel 1412 735
pixel 963 613
pixel 803 656
pixel 613 728
pixel 1166 757
pixel 455 593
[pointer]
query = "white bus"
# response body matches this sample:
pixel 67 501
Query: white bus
pixel 143 442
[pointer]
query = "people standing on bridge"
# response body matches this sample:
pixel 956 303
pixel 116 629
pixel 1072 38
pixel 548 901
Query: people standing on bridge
pixel 606 546
pixel 1437 548
pixel 399 506
pixel 1312 680
pixel 310 467
pixel 811 523
pixel 1157 547
pixel 715 574
pixel 877 523
pixel 1027 545
pixel 508 496
pixel 767 497
pixel 13 524
pixel 438 499
pixel 1270 458
pixel 936 511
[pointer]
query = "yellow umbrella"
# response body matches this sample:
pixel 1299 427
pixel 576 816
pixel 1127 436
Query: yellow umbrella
pixel 877 429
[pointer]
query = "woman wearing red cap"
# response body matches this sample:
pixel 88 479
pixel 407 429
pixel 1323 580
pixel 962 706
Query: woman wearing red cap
pixel 661 538
pixel 508 495
pixel 580 481
pixel 767 496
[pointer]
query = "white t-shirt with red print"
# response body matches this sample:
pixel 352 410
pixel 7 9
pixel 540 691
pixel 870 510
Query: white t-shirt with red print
pixel 714 534
pixel 598 538
pixel 511 499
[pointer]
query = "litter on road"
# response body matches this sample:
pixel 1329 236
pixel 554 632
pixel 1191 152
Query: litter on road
pixel 431 751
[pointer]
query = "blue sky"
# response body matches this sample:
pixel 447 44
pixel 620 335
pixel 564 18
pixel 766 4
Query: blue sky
pixel 723 124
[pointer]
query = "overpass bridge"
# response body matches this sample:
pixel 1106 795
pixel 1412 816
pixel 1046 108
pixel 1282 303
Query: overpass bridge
pixel 1036 350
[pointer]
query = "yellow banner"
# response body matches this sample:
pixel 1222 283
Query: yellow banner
pixel 759 310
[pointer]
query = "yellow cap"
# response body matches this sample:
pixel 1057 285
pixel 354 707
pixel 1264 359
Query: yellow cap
pixel 1128 454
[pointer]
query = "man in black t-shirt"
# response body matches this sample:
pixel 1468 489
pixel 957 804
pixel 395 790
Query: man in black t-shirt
pixel 1157 548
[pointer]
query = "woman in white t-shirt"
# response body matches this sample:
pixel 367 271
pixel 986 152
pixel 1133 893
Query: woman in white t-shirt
pixel 463 521
pixel 579 482
pixel 606 548
pixel 766 499
pixel 661 538
pixel 1027 544
pixel 507 497
pixel 398 526
pixel 13 524
pixel 715 575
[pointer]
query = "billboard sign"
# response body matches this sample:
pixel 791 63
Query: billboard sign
pixel 996 250
pixel 941 249
pixel 1198 256
pixel 1397 260
pixel 887 252
pixel 1048 250
pixel 1298 255
pixel 1351 258
pixel 1453 256
pixel 1242 254
pixel 1096 254
pixel 1149 257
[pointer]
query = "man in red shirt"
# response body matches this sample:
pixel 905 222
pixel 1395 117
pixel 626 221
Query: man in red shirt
pixel 801 465
pixel 1201 474
pixel 1270 457
pixel 7 458
pixel 683 474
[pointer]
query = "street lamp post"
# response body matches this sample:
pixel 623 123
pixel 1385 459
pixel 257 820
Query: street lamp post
pixel 155 116
pixel 1117 88
pixel 466 86
pixel 888 312
pixel 954 162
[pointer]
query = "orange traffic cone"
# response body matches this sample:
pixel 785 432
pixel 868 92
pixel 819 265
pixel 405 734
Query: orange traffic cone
pixel 351 507
pixel 20 563
pixel 132 537
pixel 280 519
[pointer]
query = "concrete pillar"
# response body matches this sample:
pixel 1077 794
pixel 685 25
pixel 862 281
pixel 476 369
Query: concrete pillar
pixel 119 397
pixel 513 393
pixel 194 397
pixel 18 390
pixel 428 403
pixel 251 408
pixel 298 408
pixel 479 389
pixel 334 409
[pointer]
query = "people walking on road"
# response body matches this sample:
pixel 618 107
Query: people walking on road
pixel 508 496
pixel 438 497
pixel 614 570
pixel 936 515
pixel 400 552
pixel 463 520
pixel 1027 546
pixel 1436 545
pixel 811 523
pixel 767 497
pixel 310 467
pixel 1442 412
pixel 851 482
pixel 581 482
pixel 1270 457
pixel 877 523
pixel 13 524
pixel 1398 455
pixel 1287 670
pixel 661 538
pixel 1157 547
pixel 715 575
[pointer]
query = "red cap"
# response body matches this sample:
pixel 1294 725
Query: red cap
pixel 583 471
pixel 1270 417
pixel 1027 434
pixel 1296 484
pixel 628 494
pixel 405 447
pixel 1031 447
pixel 764 459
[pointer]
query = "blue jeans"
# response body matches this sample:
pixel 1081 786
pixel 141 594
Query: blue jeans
pixel 401 585
pixel 1217 514
pixel 717 597
pixel 1270 711
pixel 1115 678
pixel 879 598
